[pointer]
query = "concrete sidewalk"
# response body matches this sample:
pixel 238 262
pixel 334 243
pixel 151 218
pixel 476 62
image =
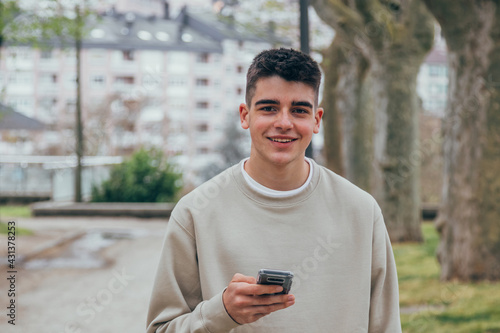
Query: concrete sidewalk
pixel 112 298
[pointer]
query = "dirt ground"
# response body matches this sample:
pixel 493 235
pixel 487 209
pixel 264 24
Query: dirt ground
pixel 112 298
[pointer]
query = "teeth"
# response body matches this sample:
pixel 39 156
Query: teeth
pixel 281 140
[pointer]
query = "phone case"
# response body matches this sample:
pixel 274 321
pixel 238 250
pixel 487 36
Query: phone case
pixel 276 277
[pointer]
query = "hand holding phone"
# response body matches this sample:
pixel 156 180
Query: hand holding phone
pixel 276 277
pixel 246 301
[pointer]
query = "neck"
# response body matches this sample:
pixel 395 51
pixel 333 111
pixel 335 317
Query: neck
pixel 279 177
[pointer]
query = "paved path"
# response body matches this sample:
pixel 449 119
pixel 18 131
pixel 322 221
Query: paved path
pixel 110 299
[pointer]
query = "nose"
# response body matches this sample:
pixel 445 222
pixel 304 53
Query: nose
pixel 283 121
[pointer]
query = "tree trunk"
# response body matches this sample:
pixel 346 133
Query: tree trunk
pixel 469 218
pixel 331 118
pixel 79 125
pixel 397 159
pixel 348 114
pixel 395 37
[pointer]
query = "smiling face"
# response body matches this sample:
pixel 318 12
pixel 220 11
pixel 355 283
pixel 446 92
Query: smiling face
pixel 281 119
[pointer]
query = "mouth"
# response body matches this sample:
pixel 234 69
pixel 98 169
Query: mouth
pixel 282 140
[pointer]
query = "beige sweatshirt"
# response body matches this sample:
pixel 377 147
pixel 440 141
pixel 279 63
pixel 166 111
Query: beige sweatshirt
pixel 331 235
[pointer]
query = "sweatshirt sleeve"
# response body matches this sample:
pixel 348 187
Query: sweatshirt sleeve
pixel 384 300
pixel 176 303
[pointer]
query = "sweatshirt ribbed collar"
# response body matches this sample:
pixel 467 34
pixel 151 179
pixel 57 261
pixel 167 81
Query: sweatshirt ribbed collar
pixel 263 199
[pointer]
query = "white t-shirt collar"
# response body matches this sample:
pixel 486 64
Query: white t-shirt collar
pixel 275 193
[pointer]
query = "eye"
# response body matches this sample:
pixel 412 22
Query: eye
pixel 268 108
pixel 301 111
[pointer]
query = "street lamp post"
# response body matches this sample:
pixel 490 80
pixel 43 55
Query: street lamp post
pixel 304 44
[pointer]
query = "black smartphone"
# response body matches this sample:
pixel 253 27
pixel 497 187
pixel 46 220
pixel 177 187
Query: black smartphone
pixel 276 277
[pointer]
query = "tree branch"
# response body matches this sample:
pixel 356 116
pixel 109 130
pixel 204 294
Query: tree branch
pixel 422 26
pixel 441 8
pixel 337 14
pixel 451 12
pixel 455 17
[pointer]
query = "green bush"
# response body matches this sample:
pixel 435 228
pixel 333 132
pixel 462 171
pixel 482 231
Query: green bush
pixel 146 177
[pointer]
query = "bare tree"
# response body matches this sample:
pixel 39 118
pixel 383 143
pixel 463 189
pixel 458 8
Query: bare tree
pixel 469 216
pixel 62 24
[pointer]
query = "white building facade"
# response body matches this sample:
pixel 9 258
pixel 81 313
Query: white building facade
pixel 147 80
pixel 432 80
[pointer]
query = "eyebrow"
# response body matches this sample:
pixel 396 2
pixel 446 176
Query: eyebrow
pixel 267 101
pixel 306 104
pixel 275 102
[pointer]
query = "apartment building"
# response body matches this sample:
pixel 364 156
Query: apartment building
pixel 432 80
pixel 147 80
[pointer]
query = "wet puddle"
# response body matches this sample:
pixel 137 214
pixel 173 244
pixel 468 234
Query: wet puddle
pixel 84 252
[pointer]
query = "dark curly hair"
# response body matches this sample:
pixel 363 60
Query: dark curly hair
pixel 289 64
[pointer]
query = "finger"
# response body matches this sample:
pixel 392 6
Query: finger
pixel 267 309
pixel 243 278
pixel 246 288
pixel 261 289
pixel 273 299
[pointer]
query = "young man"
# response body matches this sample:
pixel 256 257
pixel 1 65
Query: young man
pixel 277 210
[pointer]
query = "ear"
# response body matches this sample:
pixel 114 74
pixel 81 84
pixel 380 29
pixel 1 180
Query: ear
pixel 317 119
pixel 244 116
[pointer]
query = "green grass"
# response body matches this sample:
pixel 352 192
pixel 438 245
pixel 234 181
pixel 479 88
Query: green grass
pixel 4 229
pixel 447 306
pixel 14 212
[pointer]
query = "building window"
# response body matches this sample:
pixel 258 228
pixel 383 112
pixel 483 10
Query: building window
pixel 125 80
pixel 70 55
pixel 21 78
pixel 22 53
pixel 98 80
pixel 71 78
pixel 438 70
pixel 151 80
pixel 71 105
pixel 202 105
pixel 48 78
pixel 46 54
pixel 239 91
pixel 202 82
pixel 177 128
pixel 177 105
pixel 176 58
pixel 437 89
pixel 202 127
pixel 202 58
pixel 23 104
pixel 239 69
pixel 48 102
pixel 128 55
pixel 97 56
pixel 202 150
pixel 177 81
